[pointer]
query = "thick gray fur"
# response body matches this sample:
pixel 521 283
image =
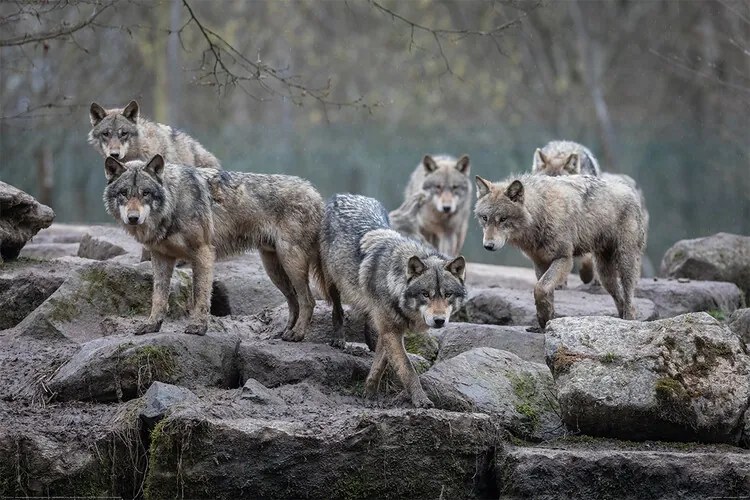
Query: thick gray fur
pixel 564 158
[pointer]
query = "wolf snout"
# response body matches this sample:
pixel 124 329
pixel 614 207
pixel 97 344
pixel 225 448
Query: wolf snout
pixel 115 155
pixel 489 246
pixel 446 209
pixel 439 322
pixel 133 218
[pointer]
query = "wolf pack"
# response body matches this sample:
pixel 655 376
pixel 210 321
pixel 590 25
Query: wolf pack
pixel 402 269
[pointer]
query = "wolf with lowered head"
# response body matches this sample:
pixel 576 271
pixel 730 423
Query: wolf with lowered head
pixel 123 134
pixel 197 215
pixel 553 219
pixel 443 217
pixel 400 283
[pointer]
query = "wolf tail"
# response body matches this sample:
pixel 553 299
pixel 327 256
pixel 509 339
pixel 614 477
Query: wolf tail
pixel 318 274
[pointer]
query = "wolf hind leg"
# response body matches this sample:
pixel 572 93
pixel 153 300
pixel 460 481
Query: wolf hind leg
pixel 379 364
pixel 203 276
pixel 162 266
pixel 338 340
pixel 586 271
pixel 279 278
pixel 606 269
pixel 296 264
pixel 629 268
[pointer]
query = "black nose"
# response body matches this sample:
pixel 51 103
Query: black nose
pixel 439 322
pixel 133 219
pixel 489 246
pixel 446 209
pixel 114 155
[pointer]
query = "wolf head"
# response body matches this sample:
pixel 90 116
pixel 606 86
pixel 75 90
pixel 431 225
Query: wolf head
pixel 434 289
pixel 500 211
pixel 446 182
pixel 114 131
pixel 569 164
pixel 134 190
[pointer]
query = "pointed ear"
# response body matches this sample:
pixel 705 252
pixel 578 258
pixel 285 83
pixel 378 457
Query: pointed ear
pixel 131 111
pixel 96 113
pixel 429 164
pixel 457 267
pixel 483 186
pixel 155 167
pixel 515 191
pixel 463 165
pixel 414 267
pixel 112 169
pixel 572 164
pixel 539 160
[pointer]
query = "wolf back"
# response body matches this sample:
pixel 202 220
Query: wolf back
pixel 123 134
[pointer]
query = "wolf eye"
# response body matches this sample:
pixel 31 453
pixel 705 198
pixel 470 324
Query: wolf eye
pixel 484 218
pixel 146 192
pixel 425 294
pixel 503 219
pixel 122 193
pixel 448 295
pixel 105 133
pixel 123 134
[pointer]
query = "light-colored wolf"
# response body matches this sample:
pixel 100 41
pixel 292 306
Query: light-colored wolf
pixel 400 283
pixel 171 210
pixel 444 217
pixel 553 219
pixel 123 134
pixel 564 158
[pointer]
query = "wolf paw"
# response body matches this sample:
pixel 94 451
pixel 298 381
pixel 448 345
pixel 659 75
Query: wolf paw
pixel 292 336
pixel 148 327
pixel 196 329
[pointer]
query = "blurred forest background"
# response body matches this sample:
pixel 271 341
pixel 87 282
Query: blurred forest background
pixel 351 94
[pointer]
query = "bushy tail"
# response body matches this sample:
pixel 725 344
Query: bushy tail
pixel 317 273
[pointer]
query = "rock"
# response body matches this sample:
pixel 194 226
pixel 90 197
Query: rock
pixel 107 242
pixel 721 257
pixel 122 367
pixel 461 337
pixel 48 251
pixel 679 379
pixel 95 292
pixel 506 306
pixel 21 217
pixel 519 394
pixel 274 363
pixel 423 344
pixel 61 233
pixel 242 287
pixel 739 323
pixel 339 453
pixel 674 297
pixel 160 398
pixel 491 276
pixel 256 392
pixel 621 472
pixel 24 286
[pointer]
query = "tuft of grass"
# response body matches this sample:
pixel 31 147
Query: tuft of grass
pixel 608 358
pixel 717 314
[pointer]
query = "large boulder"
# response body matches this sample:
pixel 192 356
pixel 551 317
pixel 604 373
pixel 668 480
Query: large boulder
pixel 680 379
pixel 24 286
pixel 673 297
pixel 721 257
pixel 507 306
pixel 48 251
pixel 21 217
pixel 107 242
pixel 242 286
pixel 331 453
pixel 519 394
pixel 461 337
pixel 739 323
pixel 62 233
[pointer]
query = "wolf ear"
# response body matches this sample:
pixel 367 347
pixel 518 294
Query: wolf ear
pixel 429 164
pixel 415 267
pixel 483 186
pixel 463 165
pixel 155 167
pixel 515 191
pixel 539 160
pixel 113 169
pixel 573 164
pixel 96 113
pixel 457 267
pixel 131 111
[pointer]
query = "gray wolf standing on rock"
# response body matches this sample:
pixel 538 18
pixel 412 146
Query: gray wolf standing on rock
pixel 444 217
pixel 553 219
pixel 400 283
pixel 171 210
pixel 126 136
pixel 564 158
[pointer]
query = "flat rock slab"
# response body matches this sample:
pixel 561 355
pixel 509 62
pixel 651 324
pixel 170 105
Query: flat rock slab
pixel 62 233
pixel 461 337
pixel 48 251
pixel 507 306
pixel 21 217
pixel 720 257
pixel 552 473
pixel 344 453
pixel 107 242
pixel 491 276
pixel 679 379
pixel 519 394
pixel 673 296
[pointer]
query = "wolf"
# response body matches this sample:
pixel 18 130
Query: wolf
pixel 170 210
pixel 564 158
pixel 553 219
pixel 124 135
pixel 399 282
pixel 404 219
pixel 444 218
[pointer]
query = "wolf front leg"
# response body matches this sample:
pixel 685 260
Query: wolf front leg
pixel 162 266
pixel 393 342
pixel 544 291
pixel 203 276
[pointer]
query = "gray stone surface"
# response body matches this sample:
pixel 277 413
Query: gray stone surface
pixel 107 242
pixel 461 337
pixel 21 217
pixel 160 397
pixel 739 323
pixel 258 393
